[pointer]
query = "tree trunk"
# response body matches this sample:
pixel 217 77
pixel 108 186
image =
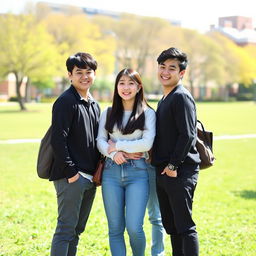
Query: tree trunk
pixel 226 93
pixel 64 84
pixel 191 82
pixel 18 87
pixel 254 91
pixel 27 91
pixel 141 63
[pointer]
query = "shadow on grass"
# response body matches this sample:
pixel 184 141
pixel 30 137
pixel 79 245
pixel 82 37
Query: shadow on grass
pixel 247 194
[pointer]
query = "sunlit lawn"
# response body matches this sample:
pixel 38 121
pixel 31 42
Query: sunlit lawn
pixel 225 199
pixel 223 118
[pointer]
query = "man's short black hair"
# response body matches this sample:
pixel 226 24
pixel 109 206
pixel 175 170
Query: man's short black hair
pixel 174 53
pixel 81 60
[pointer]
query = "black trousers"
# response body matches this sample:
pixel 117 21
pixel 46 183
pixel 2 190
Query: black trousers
pixel 175 197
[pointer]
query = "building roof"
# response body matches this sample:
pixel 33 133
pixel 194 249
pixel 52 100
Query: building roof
pixel 244 36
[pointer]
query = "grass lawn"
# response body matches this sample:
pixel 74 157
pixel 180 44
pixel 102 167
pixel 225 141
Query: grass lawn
pixel 222 118
pixel 224 205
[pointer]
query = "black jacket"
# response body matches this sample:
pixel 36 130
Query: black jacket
pixel 74 132
pixel 176 130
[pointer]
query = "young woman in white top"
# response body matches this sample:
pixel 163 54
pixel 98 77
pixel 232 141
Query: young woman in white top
pixel 128 127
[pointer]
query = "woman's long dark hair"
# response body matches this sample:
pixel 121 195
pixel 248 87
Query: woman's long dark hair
pixel 137 118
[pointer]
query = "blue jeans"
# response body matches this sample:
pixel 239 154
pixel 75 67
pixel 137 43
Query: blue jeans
pixel 74 206
pixel 125 192
pixel 157 247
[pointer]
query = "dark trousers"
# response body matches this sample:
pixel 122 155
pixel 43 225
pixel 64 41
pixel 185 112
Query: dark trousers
pixel 175 197
pixel 74 206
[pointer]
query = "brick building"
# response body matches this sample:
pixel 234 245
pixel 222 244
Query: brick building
pixel 238 28
pixel 237 22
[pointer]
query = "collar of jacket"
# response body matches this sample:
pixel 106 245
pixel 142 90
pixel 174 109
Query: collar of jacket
pixel 80 98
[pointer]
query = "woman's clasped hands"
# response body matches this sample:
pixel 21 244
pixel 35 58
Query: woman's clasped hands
pixel 121 157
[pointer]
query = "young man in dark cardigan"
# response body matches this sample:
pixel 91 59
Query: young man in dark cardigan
pixel 75 118
pixel 175 155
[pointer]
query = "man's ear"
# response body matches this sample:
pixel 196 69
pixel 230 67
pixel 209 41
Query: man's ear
pixel 69 75
pixel 182 73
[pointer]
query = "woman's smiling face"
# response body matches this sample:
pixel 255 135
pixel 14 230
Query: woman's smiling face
pixel 127 88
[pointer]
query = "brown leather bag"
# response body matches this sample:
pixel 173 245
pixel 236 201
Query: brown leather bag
pixel 204 146
pixel 97 177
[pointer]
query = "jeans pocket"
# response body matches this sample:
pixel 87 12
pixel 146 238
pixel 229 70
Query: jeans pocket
pixel 76 181
pixel 108 163
pixel 139 164
pixel 61 186
pixel 172 177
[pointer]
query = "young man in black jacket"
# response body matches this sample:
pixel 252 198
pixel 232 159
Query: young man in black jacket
pixel 174 154
pixel 75 117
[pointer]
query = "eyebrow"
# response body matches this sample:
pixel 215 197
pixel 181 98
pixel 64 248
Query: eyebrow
pixel 170 66
pixel 81 69
pixel 128 80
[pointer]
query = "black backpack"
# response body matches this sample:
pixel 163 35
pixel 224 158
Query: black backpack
pixel 45 156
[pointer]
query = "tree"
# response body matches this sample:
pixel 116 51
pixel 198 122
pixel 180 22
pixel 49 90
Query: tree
pixel 136 37
pixel 26 50
pixel 240 64
pixel 76 33
pixel 204 62
pixel 251 50
pixel 231 60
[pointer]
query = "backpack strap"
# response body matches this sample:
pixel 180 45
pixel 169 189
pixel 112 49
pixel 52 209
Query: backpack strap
pixel 204 133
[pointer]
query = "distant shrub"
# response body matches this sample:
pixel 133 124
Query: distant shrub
pixel 13 99
pixel 47 99
pixel 245 96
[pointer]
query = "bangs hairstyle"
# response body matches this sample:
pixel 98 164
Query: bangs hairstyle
pixel 137 117
pixel 81 60
pixel 174 53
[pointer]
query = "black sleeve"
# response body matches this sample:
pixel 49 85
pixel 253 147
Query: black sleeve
pixel 62 116
pixel 185 122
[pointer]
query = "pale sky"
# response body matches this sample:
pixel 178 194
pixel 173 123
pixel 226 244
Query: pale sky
pixel 195 14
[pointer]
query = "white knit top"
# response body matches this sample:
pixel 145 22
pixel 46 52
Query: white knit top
pixel 138 141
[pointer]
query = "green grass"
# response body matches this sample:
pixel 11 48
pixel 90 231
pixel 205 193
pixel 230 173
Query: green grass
pixel 222 118
pixel 225 201
pixel 228 118
pixel 28 124
pixel 224 205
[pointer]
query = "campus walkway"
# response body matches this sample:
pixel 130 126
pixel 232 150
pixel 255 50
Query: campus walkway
pixel 221 137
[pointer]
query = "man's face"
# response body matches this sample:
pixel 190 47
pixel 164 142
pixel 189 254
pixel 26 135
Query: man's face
pixel 82 79
pixel 169 73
